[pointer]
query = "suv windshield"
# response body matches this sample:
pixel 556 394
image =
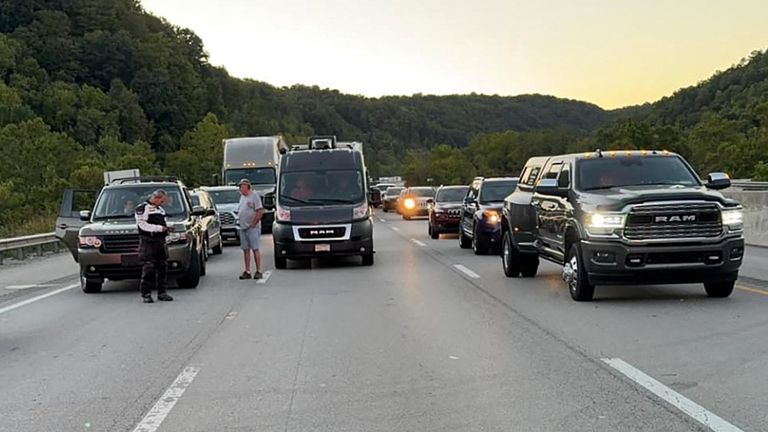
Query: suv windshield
pixel 422 192
pixel 327 187
pixel 606 173
pixel 393 191
pixel 220 197
pixel 496 191
pixel 255 175
pixel 120 203
pixel 451 195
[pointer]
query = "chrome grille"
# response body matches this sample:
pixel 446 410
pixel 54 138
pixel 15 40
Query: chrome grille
pixel 673 220
pixel 120 243
pixel 227 218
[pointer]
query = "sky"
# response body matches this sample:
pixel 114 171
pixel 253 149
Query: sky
pixel 613 53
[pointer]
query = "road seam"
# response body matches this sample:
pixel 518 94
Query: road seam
pixel 34 299
pixel 687 406
pixel 155 417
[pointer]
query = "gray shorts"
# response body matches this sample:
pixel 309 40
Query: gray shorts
pixel 250 238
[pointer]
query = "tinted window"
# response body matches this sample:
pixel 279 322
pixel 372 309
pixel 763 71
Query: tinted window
pixel 496 191
pixel 226 196
pixel 255 175
pixel 564 180
pixel 553 170
pixel 121 202
pixel 422 192
pixel 451 195
pixel 196 200
pixel 605 173
pixel 530 180
pixel 327 187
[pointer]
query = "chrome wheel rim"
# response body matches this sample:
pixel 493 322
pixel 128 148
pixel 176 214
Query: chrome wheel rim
pixel 574 282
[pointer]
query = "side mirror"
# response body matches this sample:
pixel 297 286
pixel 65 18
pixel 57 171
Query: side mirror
pixel 210 212
pixel 718 180
pixel 198 211
pixel 550 187
pixel 268 201
pixel 85 215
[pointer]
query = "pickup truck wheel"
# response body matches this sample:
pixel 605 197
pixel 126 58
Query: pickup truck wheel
pixel 464 241
pixel 575 275
pixel 477 247
pixel 191 278
pixel 509 257
pixel 368 259
pixel 719 289
pixel 530 265
pixel 281 263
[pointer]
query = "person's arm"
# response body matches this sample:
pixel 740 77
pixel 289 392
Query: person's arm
pixel 259 210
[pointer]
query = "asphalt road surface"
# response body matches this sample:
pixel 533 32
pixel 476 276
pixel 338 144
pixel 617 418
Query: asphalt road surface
pixel 431 338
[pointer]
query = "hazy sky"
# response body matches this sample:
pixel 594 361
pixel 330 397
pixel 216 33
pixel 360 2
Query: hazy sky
pixel 610 52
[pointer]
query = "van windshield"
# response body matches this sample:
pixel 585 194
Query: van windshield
pixel 120 203
pixel 327 187
pixel 257 176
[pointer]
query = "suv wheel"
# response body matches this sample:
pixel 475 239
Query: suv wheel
pixel 575 275
pixel 529 265
pixel 90 287
pixel 205 247
pixel 203 259
pixel 191 278
pixel 509 257
pixel 219 248
pixel 719 289
pixel 433 233
pixel 281 263
pixel 464 241
pixel 477 247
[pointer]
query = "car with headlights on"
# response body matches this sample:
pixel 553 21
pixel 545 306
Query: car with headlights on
pixel 445 210
pixel 623 217
pixel 480 224
pixel 415 201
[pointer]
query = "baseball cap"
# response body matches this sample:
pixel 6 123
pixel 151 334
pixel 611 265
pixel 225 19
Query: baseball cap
pixel 244 181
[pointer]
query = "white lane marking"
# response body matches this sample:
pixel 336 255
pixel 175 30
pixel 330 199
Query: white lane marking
pixel 167 401
pixel 422 244
pixel 395 229
pixel 694 410
pixel 264 277
pixel 34 299
pixel 23 287
pixel 467 271
pixel 382 220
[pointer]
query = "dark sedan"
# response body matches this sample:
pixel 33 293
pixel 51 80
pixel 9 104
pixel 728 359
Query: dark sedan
pixel 445 210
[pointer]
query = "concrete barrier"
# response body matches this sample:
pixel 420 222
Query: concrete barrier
pixel 755 204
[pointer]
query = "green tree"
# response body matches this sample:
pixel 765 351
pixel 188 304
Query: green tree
pixel 201 154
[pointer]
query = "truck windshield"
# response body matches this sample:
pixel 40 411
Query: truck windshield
pixel 451 195
pixel 120 203
pixel 257 176
pixel 606 173
pixel 496 191
pixel 229 196
pixel 329 187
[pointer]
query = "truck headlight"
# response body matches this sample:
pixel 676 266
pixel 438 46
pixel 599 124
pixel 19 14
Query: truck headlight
pixel 605 223
pixel 360 212
pixel 733 219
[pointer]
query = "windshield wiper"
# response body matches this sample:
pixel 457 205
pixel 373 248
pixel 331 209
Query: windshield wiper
pixel 296 200
pixel 603 187
pixel 333 200
pixel 112 217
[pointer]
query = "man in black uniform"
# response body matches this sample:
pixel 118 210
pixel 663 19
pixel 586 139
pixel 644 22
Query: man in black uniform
pixel 153 228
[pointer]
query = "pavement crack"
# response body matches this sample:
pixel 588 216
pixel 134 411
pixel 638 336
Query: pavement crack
pixel 298 362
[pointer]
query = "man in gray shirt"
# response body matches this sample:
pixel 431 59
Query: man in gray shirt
pixel 250 212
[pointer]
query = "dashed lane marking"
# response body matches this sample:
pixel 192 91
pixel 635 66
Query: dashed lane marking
pixel 264 277
pixel 420 243
pixel 38 298
pixel 466 271
pixel 689 407
pixel 155 417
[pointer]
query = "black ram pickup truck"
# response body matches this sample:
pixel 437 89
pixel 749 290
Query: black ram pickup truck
pixel 623 217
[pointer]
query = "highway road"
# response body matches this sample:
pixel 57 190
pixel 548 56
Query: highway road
pixel 431 338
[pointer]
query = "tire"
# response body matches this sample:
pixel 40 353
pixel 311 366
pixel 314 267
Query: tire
pixel 203 265
pixel 575 275
pixel 433 233
pixel 464 241
pixel 530 265
pixel 719 289
pixel 281 263
pixel 509 257
pixel 368 260
pixel 477 247
pixel 191 279
pixel 205 247
pixel 90 287
pixel 385 210
pixel 219 248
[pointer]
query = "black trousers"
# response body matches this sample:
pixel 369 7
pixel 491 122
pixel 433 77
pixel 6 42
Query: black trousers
pixel 154 273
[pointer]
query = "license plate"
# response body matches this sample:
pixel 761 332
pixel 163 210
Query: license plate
pixel 130 260
pixel 322 248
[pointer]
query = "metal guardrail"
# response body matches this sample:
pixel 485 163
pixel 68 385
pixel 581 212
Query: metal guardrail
pixel 750 185
pixel 20 244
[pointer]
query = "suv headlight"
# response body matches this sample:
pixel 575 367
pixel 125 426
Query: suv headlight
pixel 176 237
pixel 733 219
pixel 491 217
pixel 87 242
pixel 605 223
pixel 360 212
pixel 409 203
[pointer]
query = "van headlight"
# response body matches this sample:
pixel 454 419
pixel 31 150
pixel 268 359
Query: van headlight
pixel 360 212
pixel 733 219
pixel 605 223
